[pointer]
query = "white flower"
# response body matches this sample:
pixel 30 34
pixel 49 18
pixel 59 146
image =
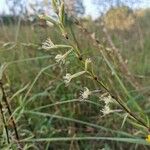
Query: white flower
pixel 68 77
pixel 106 110
pixel 47 44
pixel 61 58
pixel 107 99
pixel 86 93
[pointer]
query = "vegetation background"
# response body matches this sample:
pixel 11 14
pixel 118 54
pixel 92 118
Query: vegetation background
pixel 48 115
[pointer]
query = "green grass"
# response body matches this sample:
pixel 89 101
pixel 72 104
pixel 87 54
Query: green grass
pixel 48 114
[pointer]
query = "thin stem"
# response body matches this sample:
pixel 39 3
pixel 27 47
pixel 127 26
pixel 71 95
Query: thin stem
pixel 4 122
pixel 9 110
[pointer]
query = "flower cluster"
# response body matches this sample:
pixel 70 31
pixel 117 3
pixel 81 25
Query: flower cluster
pixel 61 58
pixel 68 77
pixel 47 44
pixel 107 100
pixel 85 94
pixel 106 110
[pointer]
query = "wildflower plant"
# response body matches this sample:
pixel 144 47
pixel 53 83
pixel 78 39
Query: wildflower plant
pixel 86 67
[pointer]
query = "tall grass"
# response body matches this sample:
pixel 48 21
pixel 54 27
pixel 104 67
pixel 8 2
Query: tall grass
pixel 50 115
